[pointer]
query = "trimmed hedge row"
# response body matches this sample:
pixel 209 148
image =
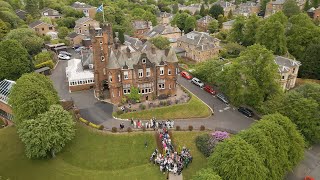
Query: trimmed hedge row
pixel 49 64
pixel 100 127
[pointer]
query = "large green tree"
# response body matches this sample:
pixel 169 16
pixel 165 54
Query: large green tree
pixel 250 30
pixel 213 26
pixel 206 174
pixel 48 133
pixel 216 10
pixel 63 32
pixel 14 60
pixel 235 159
pixel 190 24
pixel 28 39
pixel 32 94
pixel 290 8
pixel 236 32
pixel 310 62
pixel 161 42
pixel 209 70
pixel 251 78
pixel 180 19
pixel 32 8
pixel 148 16
pixel 4 29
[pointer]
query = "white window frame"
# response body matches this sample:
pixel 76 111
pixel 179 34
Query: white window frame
pixel 144 60
pixel 140 73
pixel 119 78
pixel 161 86
pixel 104 71
pixel 148 72
pixel 125 75
pixel 169 71
pixel 169 86
pixel 102 58
pixel 110 78
pixel 161 70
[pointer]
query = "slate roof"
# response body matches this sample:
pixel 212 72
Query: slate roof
pixel 73 35
pixel 79 5
pixel 141 24
pixel 205 19
pixel 83 20
pixel 201 40
pixel 162 30
pixel 224 4
pixel 51 12
pixel 165 15
pixel 228 23
pixel 37 23
pixel 5 88
pixel 121 58
pixel 134 42
pixel 278 2
pixel 285 63
pixel 21 14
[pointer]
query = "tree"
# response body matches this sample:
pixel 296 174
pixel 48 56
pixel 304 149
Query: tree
pixel 309 90
pixel 315 3
pixel 272 35
pixel 48 133
pixel 250 30
pixel 4 29
pixel 190 24
pixel 68 11
pixel 68 22
pixel 310 68
pixel 28 39
pixel 221 19
pixel 236 32
pixel 32 8
pixel 161 42
pixel 296 141
pixel 175 8
pixel 290 8
pixel 202 11
pixel 63 32
pixel 180 19
pixel 216 10
pixel 209 70
pixel 148 16
pixel 213 26
pixel 43 56
pixel 232 50
pixel 138 13
pixel 230 15
pixel 251 78
pixel 32 94
pixel 306 6
pixel 206 174
pixel 11 18
pixel 134 94
pixel 46 19
pixel 235 159
pixel 14 60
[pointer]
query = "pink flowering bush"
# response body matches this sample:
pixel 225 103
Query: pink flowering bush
pixel 220 135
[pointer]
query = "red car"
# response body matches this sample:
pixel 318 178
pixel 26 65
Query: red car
pixel 209 89
pixel 308 178
pixel 186 75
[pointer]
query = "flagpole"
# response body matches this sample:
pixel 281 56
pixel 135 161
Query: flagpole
pixel 103 12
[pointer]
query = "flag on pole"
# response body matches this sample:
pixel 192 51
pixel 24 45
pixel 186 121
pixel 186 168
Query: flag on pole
pixel 100 8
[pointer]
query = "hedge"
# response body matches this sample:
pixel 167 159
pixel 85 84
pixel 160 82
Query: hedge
pixel 100 127
pixel 49 64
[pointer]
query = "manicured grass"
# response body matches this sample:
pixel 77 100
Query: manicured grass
pixel 194 108
pixel 1 123
pixel 187 139
pixel 91 155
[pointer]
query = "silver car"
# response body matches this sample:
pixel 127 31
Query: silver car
pixel 197 82
pixel 63 57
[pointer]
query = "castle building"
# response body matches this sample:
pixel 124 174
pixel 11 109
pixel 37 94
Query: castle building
pixel 118 68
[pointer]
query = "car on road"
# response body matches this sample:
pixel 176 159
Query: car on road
pixel 197 82
pixel 209 89
pixel 222 98
pixel 65 53
pixel 247 112
pixel 64 57
pixel 186 75
pixel 80 48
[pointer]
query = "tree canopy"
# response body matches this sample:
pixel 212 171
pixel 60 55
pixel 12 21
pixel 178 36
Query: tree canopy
pixel 14 60
pixel 290 8
pixel 216 10
pixel 206 174
pixel 161 42
pixel 48 133
pixel 236 32
pixel 213 26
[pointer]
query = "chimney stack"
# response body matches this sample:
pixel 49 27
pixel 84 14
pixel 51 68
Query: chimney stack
pixel 153 49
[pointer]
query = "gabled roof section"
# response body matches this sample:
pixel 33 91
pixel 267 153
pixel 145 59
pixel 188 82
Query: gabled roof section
pixel 37 23
pixel 285 63
pixel 80 5
pixel 205 19
pixel 5 88
pixel 51 12
pixel 139 24
pixel 161 30
pixel 83 20
pixel 113 64
pixel 198 38
pixel 172 57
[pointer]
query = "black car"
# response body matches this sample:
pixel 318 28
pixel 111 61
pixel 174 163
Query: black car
pixel 245 111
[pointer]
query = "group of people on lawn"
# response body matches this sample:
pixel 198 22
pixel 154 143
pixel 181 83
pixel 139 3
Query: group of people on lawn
pixel 153 124
pixel 170 160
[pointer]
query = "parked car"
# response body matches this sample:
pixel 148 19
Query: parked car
pixel 79 49
pixel 63 57
pixel 245 111
pixel 197 82
pixel 222 98
pixel 65 53
pixel 308 178
pixel 186 75
pixel 76 46
pixel 209 89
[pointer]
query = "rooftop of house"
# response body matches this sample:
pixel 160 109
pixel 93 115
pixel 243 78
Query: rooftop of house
pixel 21 13
pixel 5 88
pixel 73 35
pixel 205 19
pixel 79 5
pixel 164 15
pixel 224 4
pixel 133 42
pixel 140 24
pixel 37 23
pixel 277 2
pixel 83 20
pixel 202 40
pixel 75 71
pixel 162 30
pixel 50 12
pixel 228 23
pixel 127 59
pixel 285 64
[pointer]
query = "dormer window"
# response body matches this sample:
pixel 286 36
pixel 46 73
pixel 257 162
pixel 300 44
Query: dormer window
pixel 102 58
pixel 84 25
pixel 144 60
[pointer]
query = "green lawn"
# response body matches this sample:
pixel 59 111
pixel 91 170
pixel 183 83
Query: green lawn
pixel 187 139
pixel 194 108
pixel 1 123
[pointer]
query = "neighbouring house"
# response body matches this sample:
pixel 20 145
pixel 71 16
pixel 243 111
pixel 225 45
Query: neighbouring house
pixel 227 25
pixel 43 28
pixel 5 108
pixel 132 43
pixel 248 8
pixel 288 69
pixel 21 14
pixel 51 13
pixel 88 10
pixel 164 18
pixel 191 8
pixel 82 25
pixel 202 23
pixel 140 27
pixel 227 6
pixel 168 31
pixel 44 70
pixel 314 13
pixel 274 6
pixel 118 68
pixel 199 46
pixel 75 38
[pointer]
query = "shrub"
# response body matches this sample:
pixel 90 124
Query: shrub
pixel 190 128
pixel 114 130
pixel 142 106
pixel 162 96
pixel 178 128
pixel 84 121
pixel 119 112
pixel 202 128
pixel 101 127
pixel 176 101
pixel 203 144
pixel 76 111
pixel 94 125
pixel 169 102
pixel 129 129
pixel 144 128
pixel 49 64
pixel 124 100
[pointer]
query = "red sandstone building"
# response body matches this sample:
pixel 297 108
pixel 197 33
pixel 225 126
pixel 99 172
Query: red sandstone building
pixel 5 108
pixel 118 67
